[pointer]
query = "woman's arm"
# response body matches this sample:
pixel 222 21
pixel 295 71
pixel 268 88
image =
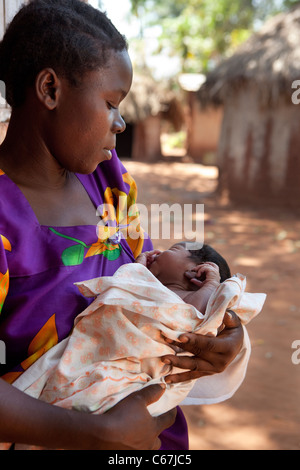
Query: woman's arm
pixel 128 425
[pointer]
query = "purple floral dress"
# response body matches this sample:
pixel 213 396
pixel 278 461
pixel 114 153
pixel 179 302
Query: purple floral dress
pixel 40 264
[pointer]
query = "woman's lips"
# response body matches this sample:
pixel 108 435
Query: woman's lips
pixel 107 153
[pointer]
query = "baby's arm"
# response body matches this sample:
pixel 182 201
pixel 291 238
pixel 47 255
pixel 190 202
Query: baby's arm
pixel 207 286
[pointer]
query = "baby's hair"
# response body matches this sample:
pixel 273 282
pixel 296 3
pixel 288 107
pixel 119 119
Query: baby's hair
pixel 69 36
pixel 207 253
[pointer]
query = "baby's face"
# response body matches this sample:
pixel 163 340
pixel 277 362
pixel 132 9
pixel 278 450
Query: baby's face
pixel 169 266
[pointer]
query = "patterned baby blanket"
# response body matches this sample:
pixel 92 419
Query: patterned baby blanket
pixel 117 342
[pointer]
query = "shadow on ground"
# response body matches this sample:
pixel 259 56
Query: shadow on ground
pixel 263 244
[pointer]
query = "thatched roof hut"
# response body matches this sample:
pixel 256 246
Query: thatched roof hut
pixel 258 152
pixel 148 97
pixel 146 106
pixel 203 123
pixel 269 59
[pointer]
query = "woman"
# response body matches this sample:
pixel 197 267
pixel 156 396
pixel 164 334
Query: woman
pixel 66 70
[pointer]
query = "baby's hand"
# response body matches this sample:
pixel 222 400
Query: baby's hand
pixel 147 258
pixel 204 273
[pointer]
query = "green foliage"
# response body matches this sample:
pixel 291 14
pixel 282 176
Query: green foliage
pixel 200 32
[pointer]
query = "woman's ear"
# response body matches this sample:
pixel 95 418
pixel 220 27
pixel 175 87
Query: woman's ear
pixel 48 87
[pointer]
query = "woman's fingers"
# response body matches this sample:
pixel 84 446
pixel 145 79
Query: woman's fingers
pixel 209 354
pixel 231 320
pixel 186 376
pixel 150 395
pixel 131 424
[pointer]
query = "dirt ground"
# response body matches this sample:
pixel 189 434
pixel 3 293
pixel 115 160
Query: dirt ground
pixel 263 244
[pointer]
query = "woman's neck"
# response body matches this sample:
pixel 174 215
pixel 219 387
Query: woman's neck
pixel 25 157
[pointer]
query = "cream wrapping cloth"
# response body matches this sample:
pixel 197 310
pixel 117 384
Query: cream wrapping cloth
pixel 117 342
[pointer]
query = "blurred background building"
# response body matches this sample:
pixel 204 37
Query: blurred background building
pixel 212 84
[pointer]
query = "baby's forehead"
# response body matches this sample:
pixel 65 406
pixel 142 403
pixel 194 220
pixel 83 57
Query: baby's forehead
pixel 190 246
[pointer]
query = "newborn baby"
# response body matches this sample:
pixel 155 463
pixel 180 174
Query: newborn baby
pixel 192 274
pixel 117 343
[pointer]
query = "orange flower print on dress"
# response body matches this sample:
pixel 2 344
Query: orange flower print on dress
pixel 44 340
pixel 4 284
pixel 6 243
pixel 4 277
pixel 120 217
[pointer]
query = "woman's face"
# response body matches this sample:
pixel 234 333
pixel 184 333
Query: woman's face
pixel 87 119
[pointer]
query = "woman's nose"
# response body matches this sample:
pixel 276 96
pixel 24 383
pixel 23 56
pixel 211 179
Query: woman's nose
pixel 119 124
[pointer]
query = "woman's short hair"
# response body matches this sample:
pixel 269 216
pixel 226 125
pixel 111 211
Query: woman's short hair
pixel 69 36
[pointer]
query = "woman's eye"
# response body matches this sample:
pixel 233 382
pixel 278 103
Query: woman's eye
pixel 110 106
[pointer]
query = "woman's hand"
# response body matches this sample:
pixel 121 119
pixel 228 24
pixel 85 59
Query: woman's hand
pixel 211 355
pixel 130 425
